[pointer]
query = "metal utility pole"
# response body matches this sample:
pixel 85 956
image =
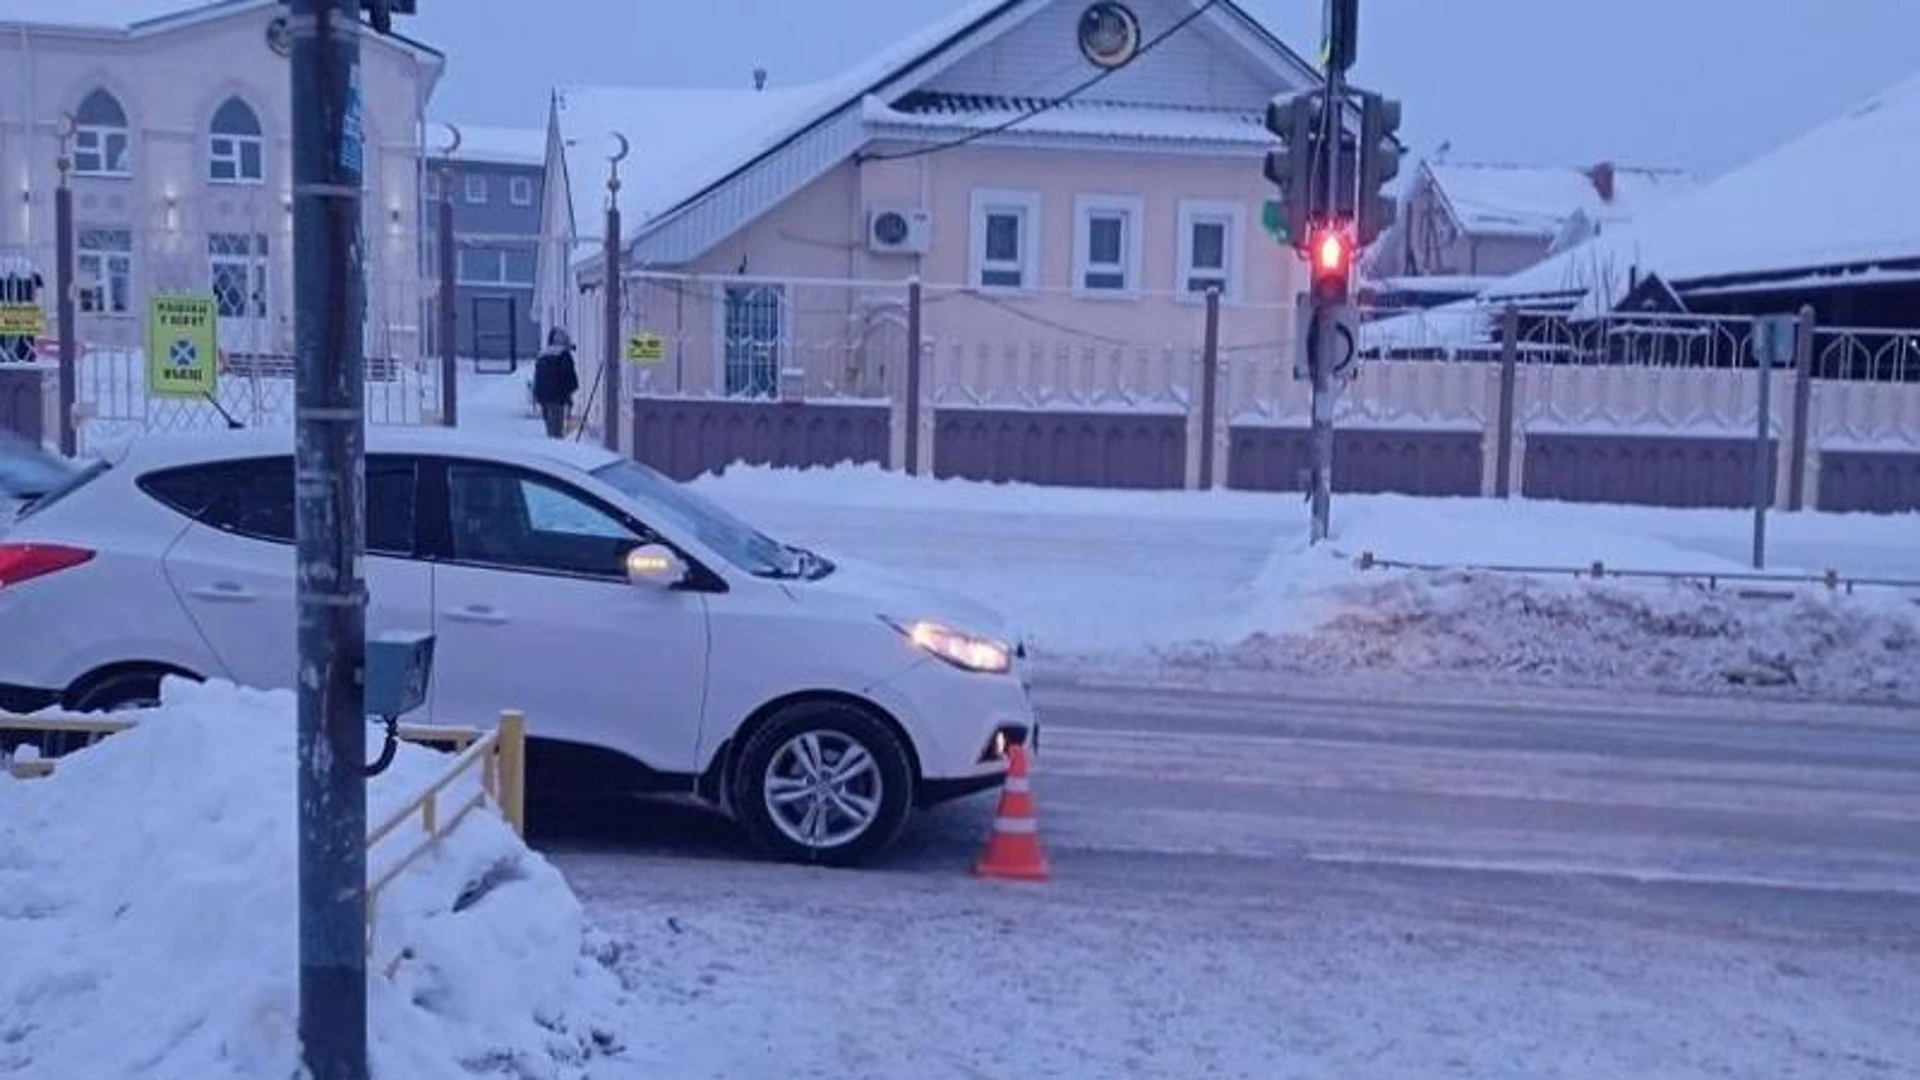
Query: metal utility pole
pixel 616 289
pixel 447 263
pixel 64 302
pixel 329 169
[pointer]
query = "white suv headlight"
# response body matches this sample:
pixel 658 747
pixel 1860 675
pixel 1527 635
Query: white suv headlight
pixel 973 652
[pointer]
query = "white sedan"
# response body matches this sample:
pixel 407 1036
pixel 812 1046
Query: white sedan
pixel 657 643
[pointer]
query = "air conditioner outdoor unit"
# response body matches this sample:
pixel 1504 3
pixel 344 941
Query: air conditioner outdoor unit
pixel 899 232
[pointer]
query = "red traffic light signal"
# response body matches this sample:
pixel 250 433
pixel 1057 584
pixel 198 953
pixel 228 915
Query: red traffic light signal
pixel 1329 260
pixel 1329 252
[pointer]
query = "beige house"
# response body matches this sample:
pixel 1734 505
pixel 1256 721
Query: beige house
pixel 175 117
pixel 1065 224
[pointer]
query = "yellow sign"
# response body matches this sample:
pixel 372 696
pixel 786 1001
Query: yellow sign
pixel 646 348
pixel 22 320
pixel 183 346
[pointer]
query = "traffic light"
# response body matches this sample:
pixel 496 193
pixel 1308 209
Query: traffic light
pixel 1379 164
pixel 1340 34
pixel 1295 120
pixel 1329 261
pixel 380 13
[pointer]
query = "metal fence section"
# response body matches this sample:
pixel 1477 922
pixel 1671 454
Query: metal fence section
pixel 233 249
pixel 1177 391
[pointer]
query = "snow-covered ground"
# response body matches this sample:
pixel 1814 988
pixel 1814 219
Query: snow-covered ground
pixel 148 918
pixel 1225 580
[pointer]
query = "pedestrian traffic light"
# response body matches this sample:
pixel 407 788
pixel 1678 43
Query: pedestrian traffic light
pixel 1379 164
pixel 1329 260
pixel 1296 120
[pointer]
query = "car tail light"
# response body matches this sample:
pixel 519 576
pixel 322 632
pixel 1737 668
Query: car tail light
pixel 24 562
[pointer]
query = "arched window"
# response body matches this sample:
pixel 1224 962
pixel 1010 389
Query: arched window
pixel 100 137
pixel 236 152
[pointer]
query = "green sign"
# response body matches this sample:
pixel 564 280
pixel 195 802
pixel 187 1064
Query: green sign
pixel 1274 220
pixel 22 320
pixel 646 348
pixel 183 346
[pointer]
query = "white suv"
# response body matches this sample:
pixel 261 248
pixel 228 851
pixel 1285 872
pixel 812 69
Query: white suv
pixel 656 642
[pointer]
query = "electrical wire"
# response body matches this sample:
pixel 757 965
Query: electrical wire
pixel 1047 106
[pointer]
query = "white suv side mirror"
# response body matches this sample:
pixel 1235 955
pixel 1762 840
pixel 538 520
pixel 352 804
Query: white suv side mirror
pixel 655 565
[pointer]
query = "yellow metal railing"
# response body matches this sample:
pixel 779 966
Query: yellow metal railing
pixel 91 728
pixel 497 757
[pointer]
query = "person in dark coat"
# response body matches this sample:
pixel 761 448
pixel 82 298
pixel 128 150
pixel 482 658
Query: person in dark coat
pixel 555 381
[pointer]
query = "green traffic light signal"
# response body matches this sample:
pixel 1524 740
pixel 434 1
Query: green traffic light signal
pixel 1273 218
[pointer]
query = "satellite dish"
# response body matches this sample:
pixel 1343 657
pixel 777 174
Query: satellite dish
pixel 1109 34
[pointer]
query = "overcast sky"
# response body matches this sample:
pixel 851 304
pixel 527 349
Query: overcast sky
pixel 1700 84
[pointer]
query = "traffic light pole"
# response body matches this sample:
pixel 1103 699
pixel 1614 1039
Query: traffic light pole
pixel 1320 370
pixel 329 534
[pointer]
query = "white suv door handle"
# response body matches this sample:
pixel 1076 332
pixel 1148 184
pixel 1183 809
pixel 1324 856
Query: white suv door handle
pixel 477 613
pixel 226 591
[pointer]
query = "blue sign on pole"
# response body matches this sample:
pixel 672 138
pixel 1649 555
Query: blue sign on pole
pixel 352 130
pixel 1775 340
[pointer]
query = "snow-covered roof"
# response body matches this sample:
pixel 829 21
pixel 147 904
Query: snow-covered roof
pixel 483 143
pixel 962 113
pixel 1525 200
pixel 1841 194
pixel 686 141
pixel 111 14
pixel 682 140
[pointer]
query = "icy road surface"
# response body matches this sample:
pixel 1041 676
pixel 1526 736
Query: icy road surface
pixel 1260 887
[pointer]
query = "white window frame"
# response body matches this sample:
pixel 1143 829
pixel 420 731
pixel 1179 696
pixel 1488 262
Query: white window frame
pixel 95 141
pixel 474 187
pixel 1132 212
pixel 1025 206
pixel 101 267
pixel 235 157
pixel 520 190
pixel 501 279
pixel 1198 211
pixel 252 263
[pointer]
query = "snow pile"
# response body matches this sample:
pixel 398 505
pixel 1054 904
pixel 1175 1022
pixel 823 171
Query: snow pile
pixel 148 922
pixel 1678 636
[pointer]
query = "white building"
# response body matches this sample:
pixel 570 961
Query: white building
pixel 181 149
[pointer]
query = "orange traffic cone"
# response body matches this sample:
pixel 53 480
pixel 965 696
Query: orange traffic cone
pixel 1013 849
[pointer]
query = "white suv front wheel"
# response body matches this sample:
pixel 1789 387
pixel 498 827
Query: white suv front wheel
pixel 822 782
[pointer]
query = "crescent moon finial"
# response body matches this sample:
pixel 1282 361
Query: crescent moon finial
pixel 625 148
pixel 454 146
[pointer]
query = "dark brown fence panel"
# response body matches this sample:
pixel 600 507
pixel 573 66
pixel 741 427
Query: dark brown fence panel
pixel 1063 446
pixel 685 437
pixel 1644 470
pixel 1365 460
pixel 1879 481
pixel 22 405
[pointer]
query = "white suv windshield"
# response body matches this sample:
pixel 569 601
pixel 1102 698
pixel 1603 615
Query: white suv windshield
pixel 734 540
